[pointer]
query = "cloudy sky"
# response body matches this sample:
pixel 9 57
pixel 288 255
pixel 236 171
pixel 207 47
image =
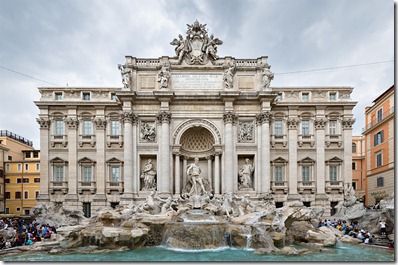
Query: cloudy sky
pixel 80 43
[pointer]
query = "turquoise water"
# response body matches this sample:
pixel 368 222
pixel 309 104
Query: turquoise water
pixel 341 253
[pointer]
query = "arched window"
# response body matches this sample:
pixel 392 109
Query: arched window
pixel 354 147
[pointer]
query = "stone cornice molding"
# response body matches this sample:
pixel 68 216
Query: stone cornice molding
pixel 44 123
pixel 229 117
pixel 72 123
pixel 163 117
pixel 292 123
pixel 128 116
pixel 100 123
pixel 320 123
pixel 347 123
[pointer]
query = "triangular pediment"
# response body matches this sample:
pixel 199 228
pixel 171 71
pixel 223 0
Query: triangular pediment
pixel 85 160
pixel 279 160
pixel 114 160
pixel 335 159
pixel 307 160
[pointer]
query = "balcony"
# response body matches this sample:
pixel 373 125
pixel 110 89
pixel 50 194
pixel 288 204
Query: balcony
pixel 58 139
pixel 334 185
pixel 306 185
pixel 306 139
pixel 58 186
pixel 114 186
pixel 114 139
pixel 278 139
pixel 87 186
pixel 87 139
pixel 279 186
pixel 333 139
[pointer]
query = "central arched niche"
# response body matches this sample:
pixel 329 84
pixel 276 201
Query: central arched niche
pixel 197 141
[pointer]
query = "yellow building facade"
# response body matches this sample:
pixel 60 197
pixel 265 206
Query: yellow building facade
pixel 21 173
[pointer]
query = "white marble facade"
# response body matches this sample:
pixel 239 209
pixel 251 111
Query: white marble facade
pixel 97 142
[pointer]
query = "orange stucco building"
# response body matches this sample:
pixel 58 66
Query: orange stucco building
pixel 379 147
pixel 358 167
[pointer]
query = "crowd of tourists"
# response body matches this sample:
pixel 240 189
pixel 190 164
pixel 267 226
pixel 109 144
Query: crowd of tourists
pixel 353 229
pixel 27 232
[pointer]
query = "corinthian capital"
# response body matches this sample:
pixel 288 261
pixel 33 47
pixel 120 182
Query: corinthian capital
pixel 320 123
pixel 263 117
pixel 229 117
pixel 72 123
pixel 100 123
pixel 347 123
pixel 163 116
pixel 128 116
pixel 44 123
pixel 292 123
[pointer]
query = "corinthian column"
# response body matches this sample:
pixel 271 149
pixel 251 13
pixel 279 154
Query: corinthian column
pixel 266 154
pixel 164 185
pixel 73 125
pixel 292 127
pixel 44 170
pixel 128 118
pixel 100 126
pixel 320 155
pixel 228 178
pixel 347 164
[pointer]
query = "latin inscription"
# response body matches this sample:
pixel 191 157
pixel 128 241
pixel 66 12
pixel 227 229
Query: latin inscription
pixel 196 81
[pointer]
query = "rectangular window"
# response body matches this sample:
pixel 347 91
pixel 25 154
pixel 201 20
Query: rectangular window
pixel 115 174
pixel 26 166
pixel 25 180
pixel 35 154
pixel 26 195
pixel 279 97
pixel 8 195
pixel 354 166
pixel 380 182
pixel 86 95
pixel 278 174
pixel 37 180
pixel 59 127
pixel 354 185
pixel 305 127
pixel 278 127
pixel 115 127
pixel 332 127
pixel 17 195
pixel 18 209
pixel 332 96
pixel 333 173
pixel 305 96
pixel 87 127
pixel 37 166
pixel 354 147
pixel 7 167
pixel 113 96
pixel 7 180
pixel 305 173
pixel 87 209
pixel 36 194
pixel 87 173
pixel 58 95
pixel 378 138
pixel 379 115
pixel 58 173
pixel 27 155
pixel 19 180
pixel 379 160
pixel 19 166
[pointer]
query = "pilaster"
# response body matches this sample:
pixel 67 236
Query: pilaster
pixel 45 124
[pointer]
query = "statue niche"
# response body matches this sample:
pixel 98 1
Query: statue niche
pixel 196 143
pixel 148 177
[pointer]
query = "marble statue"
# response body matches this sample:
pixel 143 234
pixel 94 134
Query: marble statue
pixel 245 132
pixel 126 76
pixel 228 205
pixel 148 175
pixel 228 77
pixel 193 171
pixel 245 206
pixel 267 77
pixel 212 48
pixel 245 175
pixel 164 76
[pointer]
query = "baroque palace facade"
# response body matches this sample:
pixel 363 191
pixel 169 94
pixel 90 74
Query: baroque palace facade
pixel 103 146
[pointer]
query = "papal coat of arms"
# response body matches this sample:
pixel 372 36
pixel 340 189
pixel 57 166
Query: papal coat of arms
pixel 197 47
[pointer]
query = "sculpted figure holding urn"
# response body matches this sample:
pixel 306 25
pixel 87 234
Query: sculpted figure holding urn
pixel 148 174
